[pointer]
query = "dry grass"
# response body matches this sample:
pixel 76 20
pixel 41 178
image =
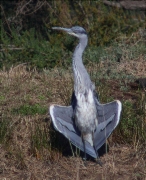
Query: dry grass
pixel 28 150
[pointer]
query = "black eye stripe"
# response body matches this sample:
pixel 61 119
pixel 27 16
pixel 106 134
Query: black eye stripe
pixel 77 29
pixel 81 32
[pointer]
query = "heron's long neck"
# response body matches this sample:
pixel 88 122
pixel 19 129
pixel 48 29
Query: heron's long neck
pixel 81 77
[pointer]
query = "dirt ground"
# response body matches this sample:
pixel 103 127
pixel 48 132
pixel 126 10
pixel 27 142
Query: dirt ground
pixel 121 162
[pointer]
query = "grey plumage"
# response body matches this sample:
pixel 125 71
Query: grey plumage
pixel 86 123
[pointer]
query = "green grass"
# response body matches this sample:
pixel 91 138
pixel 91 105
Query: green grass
pixel 111 31
pixel 27 109
pixel 132 123
pixel 40 141
pixel 6 129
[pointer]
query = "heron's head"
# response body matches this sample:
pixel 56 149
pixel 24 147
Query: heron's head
pixel 76 31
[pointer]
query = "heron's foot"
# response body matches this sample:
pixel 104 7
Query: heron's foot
pixel 98 161
pixel 84 158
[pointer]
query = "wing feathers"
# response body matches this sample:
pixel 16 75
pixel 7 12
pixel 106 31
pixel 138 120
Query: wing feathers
pixel 67 128
pixel 108 116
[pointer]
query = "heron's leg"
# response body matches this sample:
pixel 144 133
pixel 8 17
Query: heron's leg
pixel 98 161
pixel 84 158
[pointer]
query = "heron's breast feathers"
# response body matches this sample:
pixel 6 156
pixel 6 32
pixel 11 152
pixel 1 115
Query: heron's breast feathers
pixel 85 112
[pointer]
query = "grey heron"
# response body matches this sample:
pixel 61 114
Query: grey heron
pixel 86 122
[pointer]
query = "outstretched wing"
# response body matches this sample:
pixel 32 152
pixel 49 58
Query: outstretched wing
pixel 108 119
pixel 62 118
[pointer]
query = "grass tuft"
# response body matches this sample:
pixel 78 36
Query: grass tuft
pixel 5 130
pixel 27 109
pixel 40 140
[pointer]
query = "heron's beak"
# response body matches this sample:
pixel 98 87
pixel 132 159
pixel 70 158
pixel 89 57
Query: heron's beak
pixel 67 30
